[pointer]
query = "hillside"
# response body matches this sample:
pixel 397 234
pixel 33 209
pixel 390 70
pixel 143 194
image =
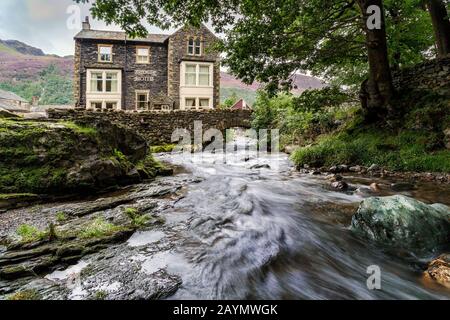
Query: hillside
pixel 29 72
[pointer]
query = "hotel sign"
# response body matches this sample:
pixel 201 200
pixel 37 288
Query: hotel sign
pixel 145 75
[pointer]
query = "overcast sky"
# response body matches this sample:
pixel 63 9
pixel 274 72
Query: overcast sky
pixel 45 24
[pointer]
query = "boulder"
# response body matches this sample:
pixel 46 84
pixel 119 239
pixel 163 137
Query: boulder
pixel 439 270
pixel 374 167
pixel 402 222
pixel 340 185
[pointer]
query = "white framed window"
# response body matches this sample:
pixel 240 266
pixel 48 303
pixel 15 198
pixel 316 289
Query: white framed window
pixel 110 105
pixel 203 75
pixel 142 99
pixel 96 105
pixel 105 53
pixel 194 47
pixel 190 103
pixel 191 74
pixel 104 81
pixel 203 103
pixel 96 82
pixel 197 74
pixel 143 55
pixel 111 82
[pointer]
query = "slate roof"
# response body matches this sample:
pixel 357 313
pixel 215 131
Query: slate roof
pixel 119 36
pixel 6 95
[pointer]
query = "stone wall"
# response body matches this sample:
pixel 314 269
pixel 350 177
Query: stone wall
pixel 431 76
pixel 157 127
pixel 177 52
pixel 124 58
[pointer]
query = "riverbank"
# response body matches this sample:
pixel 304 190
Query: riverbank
pixel 49 160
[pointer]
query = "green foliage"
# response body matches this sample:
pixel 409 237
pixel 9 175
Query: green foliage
pixel 61 216
pixel 270 40
pixel 304 117
pixel 99 228
pixel 321 99
pixel 51 87
pixel 136 217
pixel 30 233
pixel 229 96
pixel 404 151
pixel 230 101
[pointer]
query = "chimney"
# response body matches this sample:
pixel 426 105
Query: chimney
pixel 35 101
pixel 86 24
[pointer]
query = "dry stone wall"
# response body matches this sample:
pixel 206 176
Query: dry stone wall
pixel 157 127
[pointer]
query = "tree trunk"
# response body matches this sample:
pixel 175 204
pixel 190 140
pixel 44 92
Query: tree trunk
pixel 441 26
pixel 378 90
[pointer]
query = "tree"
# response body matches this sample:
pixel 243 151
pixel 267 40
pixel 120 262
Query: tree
pixel 378 90
pixel 270 40
pixel 441 25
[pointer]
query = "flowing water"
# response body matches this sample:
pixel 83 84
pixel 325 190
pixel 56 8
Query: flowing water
pixel 235 231
pixel 273 233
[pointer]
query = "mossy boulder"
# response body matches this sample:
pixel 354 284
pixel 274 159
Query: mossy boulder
pixel 52 158
pixel 403 222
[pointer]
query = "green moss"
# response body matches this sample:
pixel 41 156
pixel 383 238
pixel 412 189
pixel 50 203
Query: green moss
pixel 99 228
pixel 30 233
pixel 162 148
pixel 100 295
pixel 18 196
pixel 85 130
pixel 25 295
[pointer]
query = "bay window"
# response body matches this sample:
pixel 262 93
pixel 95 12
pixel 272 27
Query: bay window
pixel 97 82
pixel 104 81
pixel 197 74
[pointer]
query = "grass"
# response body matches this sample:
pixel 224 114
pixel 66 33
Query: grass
pixel 162 148
pixel 136 217
pixel 30 233
pixel 25 295
pixel 61 216
pixel 99 228
pixel 404 151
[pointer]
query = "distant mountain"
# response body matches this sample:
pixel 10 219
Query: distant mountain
pixel 22 48
pixel 24 68
pixel 300 83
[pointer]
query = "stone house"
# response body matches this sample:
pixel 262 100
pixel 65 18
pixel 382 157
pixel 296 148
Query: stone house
pixel 159 72
pixel 13 103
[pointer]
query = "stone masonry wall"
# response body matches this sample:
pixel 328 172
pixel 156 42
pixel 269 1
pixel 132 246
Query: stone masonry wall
pixel 177 52
pixel 124 58
pixel 431 76
pixel 157 127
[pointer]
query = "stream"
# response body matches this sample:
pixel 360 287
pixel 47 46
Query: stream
pixel 237 232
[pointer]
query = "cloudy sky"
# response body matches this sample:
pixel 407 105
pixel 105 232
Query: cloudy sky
pixel 46 24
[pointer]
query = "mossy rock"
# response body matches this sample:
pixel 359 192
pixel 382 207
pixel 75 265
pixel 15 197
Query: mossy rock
pixel 403 222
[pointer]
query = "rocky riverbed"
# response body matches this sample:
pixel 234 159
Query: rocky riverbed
pixel 248 228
